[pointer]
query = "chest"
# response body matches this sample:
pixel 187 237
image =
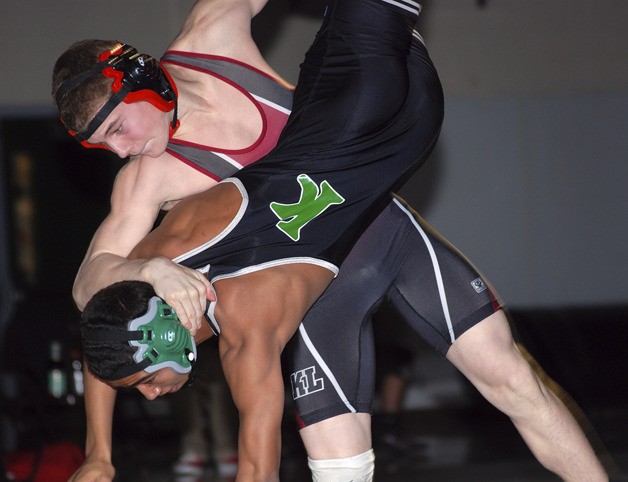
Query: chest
pixel 221 115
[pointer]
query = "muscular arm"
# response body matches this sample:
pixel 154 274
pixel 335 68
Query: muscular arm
pixel 256 323
pixel 223 27
pixel 137 196
pixel 100 400
pixel 132 216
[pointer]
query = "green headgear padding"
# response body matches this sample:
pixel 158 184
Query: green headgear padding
pixel 161 341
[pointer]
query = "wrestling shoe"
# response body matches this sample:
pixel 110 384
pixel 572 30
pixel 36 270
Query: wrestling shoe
pixel 190 464
pixel 227 466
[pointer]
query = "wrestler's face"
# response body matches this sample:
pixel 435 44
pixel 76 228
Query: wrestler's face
pixel 153 385
pixel 134 129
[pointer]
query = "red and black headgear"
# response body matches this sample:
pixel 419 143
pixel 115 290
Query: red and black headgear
pixel 136 77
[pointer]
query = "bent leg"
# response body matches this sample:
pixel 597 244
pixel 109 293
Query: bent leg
pixel 467 329
pixel 488 356
pixel 331 361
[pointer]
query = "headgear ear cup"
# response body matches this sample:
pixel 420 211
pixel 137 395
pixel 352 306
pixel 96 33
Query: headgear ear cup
pixel 141 75
pixel 166 342
pixel 169 337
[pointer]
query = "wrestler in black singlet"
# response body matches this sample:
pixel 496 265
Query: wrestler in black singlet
pixel 399 258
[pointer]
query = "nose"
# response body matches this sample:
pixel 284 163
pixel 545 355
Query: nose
pixel 121 149
pixel 149 392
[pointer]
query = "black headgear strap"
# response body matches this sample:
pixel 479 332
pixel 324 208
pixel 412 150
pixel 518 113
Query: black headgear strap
pixel 106 109
pixel 102 114
pixel 77 80
pixel 96 335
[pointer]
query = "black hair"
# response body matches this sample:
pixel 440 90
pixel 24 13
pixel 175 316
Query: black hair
pixel 112 308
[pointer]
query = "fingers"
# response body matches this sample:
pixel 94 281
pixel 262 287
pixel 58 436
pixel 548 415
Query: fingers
pixel 189 303
pixel 185 290
pixel 188 309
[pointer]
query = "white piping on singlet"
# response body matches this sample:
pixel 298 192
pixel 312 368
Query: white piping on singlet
pixel 234 222
pixel 269 264
pixel 437 271
pixel 228 159
pixel 417 36
pixel 271 104
pixel 279 262
pixel 325 368
pixel 410 6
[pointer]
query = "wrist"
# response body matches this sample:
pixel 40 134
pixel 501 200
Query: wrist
pixel 98 453
pixel 146 270
pixel 149 269
pixel 98 445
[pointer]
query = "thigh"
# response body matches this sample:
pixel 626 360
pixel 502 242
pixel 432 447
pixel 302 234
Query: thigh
pixel 437 291
pixel 331 359
pixel 431 286
pixel 354 76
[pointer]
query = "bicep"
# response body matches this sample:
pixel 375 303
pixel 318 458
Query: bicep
pixel 106 256
pixel 121 230
pixel 137 196
pixel 217 27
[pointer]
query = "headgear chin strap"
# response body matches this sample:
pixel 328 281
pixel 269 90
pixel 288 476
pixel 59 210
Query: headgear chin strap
pixel 136 77
pixel 161 341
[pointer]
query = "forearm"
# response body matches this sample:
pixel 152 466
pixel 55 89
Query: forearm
pixel 254 377
pixel 103 270
pixel 100 401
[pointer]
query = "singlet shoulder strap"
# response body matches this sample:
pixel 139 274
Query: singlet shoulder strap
pixel 273 99
pixel 254 81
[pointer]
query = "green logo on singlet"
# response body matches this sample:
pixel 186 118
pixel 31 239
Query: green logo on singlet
pixel 313 201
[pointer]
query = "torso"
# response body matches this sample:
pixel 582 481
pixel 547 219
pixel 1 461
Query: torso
pixel 255 108
pixel 214 140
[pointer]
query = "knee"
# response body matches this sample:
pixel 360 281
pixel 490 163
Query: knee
pixel 514 388
pixel 337 437
pixel 520 380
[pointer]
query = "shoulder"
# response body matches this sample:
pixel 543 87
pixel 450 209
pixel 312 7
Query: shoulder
pixel 155 183
pixel 137 185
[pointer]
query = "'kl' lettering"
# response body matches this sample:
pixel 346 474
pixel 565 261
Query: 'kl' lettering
pixel 304 382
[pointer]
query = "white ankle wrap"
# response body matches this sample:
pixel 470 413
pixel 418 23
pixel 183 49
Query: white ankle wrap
pixel 358 468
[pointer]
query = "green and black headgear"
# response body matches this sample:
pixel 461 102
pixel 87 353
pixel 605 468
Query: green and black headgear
pixel 161 341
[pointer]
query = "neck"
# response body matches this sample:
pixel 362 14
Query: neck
pixel 195 90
